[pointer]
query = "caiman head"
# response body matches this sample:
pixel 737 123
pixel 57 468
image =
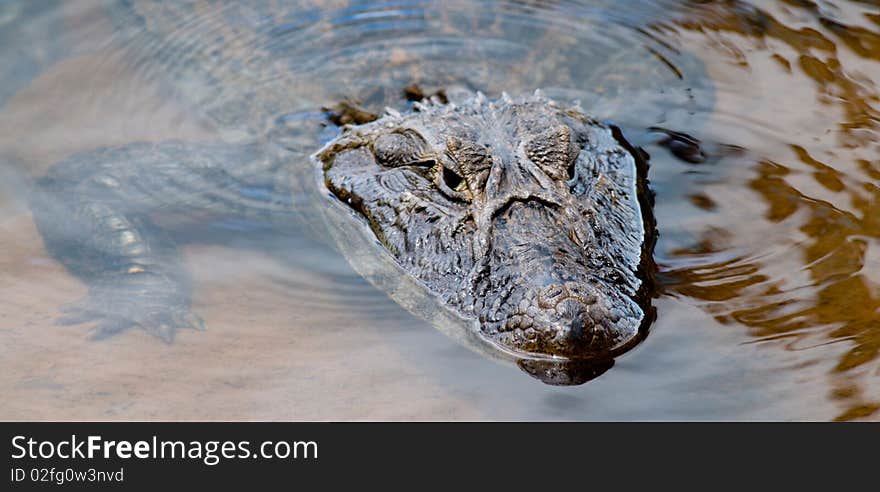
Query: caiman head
pixel 522 214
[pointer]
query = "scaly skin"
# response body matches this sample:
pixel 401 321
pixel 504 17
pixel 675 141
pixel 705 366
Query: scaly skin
pixel 525 217
pixel 518 213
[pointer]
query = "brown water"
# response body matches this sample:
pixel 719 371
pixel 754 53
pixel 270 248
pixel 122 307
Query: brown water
pixel 769 251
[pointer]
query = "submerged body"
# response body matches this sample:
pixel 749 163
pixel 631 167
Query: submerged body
pixel 522 220
pixel 526 219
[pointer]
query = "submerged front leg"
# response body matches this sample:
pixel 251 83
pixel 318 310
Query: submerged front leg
pixel 99 214
pixel 133 272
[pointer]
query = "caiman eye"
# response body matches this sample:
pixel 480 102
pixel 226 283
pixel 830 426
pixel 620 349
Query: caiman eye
pixel 398 148
pixel 451 183
pixel 451 178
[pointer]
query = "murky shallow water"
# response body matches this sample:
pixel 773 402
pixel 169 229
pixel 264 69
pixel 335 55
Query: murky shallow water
pixel 769 256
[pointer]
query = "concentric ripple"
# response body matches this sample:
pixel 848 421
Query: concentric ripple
pixel 264 58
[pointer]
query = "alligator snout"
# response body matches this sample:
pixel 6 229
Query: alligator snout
pixel 570 319
pixel 570 304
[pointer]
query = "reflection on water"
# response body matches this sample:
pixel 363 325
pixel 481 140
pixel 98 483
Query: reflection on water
pixel 769 256
pixel 810 278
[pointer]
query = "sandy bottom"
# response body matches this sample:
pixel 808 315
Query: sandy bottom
pixel 262 357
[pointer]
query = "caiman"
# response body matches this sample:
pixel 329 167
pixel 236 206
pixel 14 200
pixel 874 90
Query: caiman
pixel 518 224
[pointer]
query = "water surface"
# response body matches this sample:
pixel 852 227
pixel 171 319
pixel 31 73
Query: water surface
pixel 769 250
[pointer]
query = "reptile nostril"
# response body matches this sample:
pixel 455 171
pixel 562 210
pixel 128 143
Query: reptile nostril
pixel 574 288
pixel 553 291
pixel 550 295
